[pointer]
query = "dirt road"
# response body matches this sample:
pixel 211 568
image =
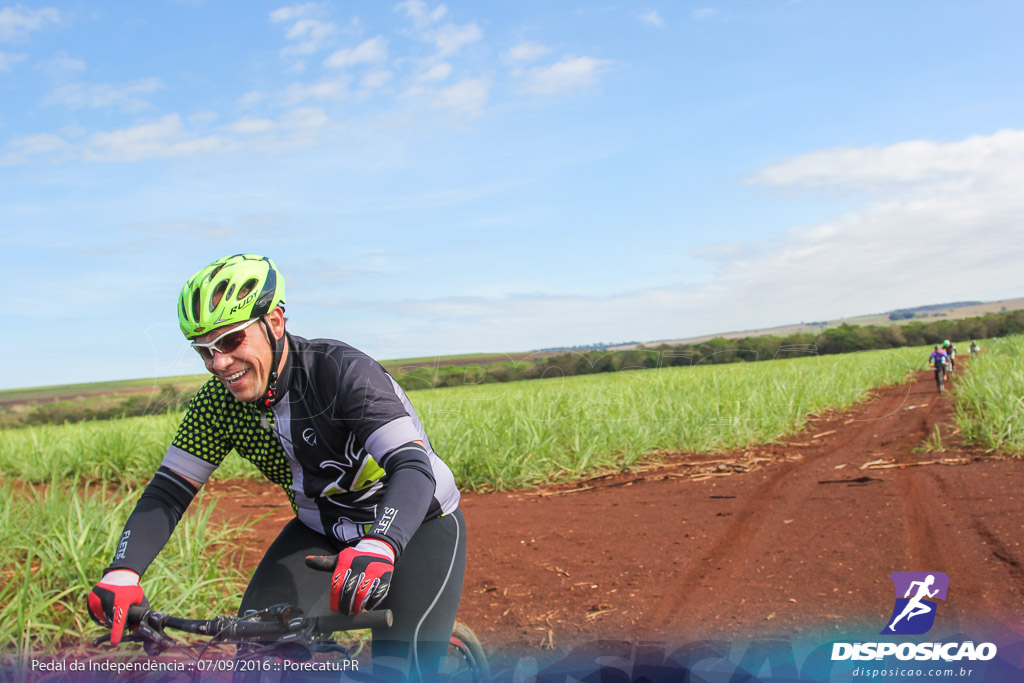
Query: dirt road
pixel 779 539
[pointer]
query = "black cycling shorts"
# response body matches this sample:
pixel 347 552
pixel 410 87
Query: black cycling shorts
pixel 424 597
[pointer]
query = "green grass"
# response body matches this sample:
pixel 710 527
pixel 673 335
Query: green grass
pixel 523 433
pixel 128 449
pixel 989 405
pixel 59 537
pixel 517 434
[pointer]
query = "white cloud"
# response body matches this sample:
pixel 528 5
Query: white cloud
pixel 417 11
pixel 166 137
pixel 23 149
pixel 8 60
pixel 169 137
pixel 437 72
pixel 372 51
pixel 304 119
pixel 570 73
pixel 17 22
pixel 942 167
pixel 467 97
pixel 651 18
pixel 451 38
pixel 62 65
pixel 448 38
pixel 251 98
pixel 704 13
pixel 376 79
pixel 293 12
pixel 307 32
pixel 204 117
pixel 125 96
pixel 526 52
pixel 309 36
pixel 940 221
pixel 332 89
pixel 250 126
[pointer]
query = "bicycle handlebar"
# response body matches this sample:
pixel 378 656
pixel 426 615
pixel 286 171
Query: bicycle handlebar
pixel 286 622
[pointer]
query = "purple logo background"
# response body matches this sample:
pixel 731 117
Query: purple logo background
pixel 917 596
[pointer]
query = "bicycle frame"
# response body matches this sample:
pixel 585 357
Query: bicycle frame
pixel 284 624
pixel 280 631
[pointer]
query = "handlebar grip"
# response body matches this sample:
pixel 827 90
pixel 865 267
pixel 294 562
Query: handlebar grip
pixel 136 613
pixel 324 563
pixel 379 618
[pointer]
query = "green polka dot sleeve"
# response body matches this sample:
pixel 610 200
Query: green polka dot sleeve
pixel 216 423
pixel 200 432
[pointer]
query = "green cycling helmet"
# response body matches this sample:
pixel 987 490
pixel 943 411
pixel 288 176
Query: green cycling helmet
pixel 229 290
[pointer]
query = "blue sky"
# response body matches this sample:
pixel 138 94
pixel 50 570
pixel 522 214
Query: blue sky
pixel 461 177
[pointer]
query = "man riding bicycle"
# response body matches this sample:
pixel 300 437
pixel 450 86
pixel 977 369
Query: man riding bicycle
pixel 950 350
pixel 330 426
pixel 940 361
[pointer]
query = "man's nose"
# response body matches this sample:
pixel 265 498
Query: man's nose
pixel 220 360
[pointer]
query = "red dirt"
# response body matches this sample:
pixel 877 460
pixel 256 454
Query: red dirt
pixel 804 539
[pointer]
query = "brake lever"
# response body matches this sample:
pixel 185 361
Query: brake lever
pixel 154 642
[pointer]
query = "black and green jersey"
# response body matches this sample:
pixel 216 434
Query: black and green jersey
pixel 327 441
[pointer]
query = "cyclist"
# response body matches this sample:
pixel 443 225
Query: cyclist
pixel 940 361
pixel 975 349
pixel 336 432
pixel 950 350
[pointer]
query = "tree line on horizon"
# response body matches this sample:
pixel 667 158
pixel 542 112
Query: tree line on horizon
pixel 845 338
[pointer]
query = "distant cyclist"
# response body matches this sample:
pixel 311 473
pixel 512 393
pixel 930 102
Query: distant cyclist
pixel 940 361
pixel 975 349
pixel 950 350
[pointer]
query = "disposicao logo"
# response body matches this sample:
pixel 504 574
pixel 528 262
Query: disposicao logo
pixel 917 596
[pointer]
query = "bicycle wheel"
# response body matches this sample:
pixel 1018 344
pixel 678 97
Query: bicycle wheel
pixel 466 660
pixel 938 379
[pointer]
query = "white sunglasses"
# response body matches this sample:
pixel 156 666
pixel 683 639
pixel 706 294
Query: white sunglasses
pixel 225 343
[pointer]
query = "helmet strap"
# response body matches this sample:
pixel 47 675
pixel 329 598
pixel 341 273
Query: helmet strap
pixel 270 397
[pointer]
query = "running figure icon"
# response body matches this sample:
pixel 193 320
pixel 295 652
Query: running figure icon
pixel 917 597
pixel 916 607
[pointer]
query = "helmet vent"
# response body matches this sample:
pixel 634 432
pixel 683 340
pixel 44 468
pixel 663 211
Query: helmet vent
pixel 218 294
pixel 195 305
pixel 247 288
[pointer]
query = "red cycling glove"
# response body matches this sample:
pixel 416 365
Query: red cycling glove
pixel 362 575
pixel 110 599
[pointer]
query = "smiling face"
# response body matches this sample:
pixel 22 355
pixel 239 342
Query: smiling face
pixel 245 369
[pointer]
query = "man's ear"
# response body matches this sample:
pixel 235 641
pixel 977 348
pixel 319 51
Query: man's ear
pixel 276 320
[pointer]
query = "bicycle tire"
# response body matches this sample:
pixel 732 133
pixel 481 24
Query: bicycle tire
pixel 938 379
pixel 466 659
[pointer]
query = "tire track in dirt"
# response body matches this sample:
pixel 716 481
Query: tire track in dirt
pixel 741 556
pixel 893 520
